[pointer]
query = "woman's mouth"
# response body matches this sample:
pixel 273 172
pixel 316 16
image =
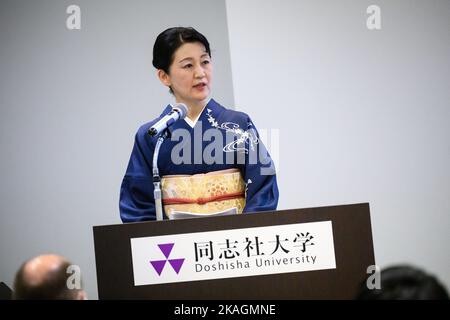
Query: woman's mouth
pixel 200 86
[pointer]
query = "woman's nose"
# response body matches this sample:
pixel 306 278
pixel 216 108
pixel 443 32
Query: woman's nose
pixel 199 72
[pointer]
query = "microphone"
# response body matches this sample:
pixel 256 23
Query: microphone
pixel 178 112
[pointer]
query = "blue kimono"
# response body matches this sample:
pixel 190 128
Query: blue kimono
pixel 220 139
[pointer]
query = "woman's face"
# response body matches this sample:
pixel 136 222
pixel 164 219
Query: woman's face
pixel 190 74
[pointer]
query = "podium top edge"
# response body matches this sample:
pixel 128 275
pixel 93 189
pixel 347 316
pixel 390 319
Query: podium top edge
pixel 260 212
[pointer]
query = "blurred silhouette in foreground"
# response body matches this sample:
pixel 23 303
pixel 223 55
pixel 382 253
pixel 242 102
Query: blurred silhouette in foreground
pixel 5 292
pixel 46 277
pixel 405 282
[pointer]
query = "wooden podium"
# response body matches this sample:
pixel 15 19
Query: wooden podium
pixel 351 240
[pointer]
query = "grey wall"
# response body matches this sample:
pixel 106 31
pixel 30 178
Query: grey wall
pixel 71 102
pixel 363 115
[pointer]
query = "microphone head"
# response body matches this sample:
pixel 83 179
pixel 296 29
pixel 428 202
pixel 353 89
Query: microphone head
pixel 152 132
pixel 182 109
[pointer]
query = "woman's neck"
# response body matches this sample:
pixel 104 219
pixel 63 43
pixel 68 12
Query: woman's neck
pixel 194 109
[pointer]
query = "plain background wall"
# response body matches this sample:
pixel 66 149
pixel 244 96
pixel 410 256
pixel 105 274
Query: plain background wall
pixel 71 102
pixel 363 116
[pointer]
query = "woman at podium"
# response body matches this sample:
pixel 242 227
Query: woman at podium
pixel 212 161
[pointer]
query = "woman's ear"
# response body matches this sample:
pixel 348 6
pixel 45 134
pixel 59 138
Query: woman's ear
pixel 163 77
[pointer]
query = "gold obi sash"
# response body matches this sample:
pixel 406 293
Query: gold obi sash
pixel 204 193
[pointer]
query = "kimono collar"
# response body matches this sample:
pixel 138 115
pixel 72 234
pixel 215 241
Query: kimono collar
pixel 211 107
pixel 190 122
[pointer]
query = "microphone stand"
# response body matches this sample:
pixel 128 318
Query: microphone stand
pixel 156 178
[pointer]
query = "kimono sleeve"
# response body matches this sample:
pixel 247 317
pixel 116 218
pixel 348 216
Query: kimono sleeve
pixel 136 193
pixel 259 175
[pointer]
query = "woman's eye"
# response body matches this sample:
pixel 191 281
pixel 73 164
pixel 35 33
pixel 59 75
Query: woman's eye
pixel 206 62
pixel 187 66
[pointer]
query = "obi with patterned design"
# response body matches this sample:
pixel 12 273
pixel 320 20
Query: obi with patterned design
pixel 204 193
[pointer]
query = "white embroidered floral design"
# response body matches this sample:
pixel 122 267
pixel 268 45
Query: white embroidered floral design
pixel 246 186
pixel 244 137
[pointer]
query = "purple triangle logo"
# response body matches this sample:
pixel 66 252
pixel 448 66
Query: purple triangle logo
pixel 176 264
pixel 158 265
pixel 166 249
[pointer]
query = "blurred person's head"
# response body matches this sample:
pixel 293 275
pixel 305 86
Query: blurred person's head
pixel 45 277
pixel 405 282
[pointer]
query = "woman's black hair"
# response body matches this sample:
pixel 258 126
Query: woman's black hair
pixel 170 40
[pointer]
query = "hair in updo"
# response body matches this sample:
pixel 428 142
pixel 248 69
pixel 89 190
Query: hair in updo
pixel 170 40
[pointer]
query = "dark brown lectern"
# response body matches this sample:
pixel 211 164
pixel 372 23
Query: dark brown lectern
pixel 351 236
